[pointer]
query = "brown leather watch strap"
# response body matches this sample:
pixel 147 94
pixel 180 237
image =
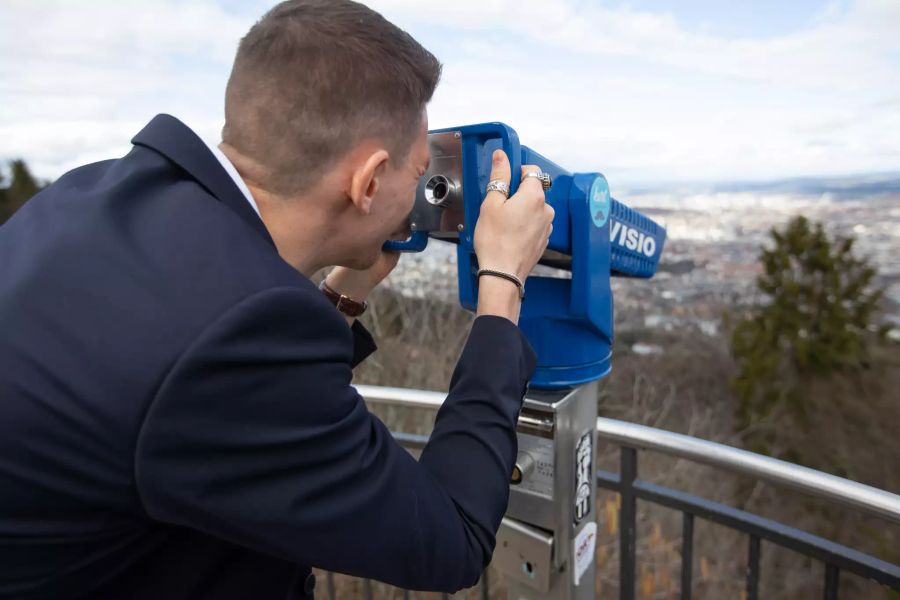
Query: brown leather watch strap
pixel 344 304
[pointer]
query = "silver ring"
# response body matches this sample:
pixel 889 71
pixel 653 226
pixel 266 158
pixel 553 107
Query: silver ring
pixel 544 178
pixel 498 185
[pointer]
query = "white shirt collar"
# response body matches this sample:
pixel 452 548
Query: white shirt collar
pixel 229 168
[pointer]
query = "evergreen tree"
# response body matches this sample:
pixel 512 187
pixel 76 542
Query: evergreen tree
pixel 818 318
pixel 22 187
pixel 3 215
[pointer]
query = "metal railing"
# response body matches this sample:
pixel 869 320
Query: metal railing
pixel 631 438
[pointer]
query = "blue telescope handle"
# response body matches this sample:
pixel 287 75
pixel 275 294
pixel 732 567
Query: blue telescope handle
pixel 417 242
pixel 477 138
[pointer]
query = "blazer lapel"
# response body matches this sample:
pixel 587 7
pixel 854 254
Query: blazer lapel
pixel 175 140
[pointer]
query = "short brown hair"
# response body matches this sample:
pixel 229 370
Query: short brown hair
pixel 313 77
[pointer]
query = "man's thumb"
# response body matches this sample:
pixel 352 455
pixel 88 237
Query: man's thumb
pixel 500 169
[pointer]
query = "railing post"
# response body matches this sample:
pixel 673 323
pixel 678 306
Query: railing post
pixel 753 569
pixel 627 523
pixel 832 581
pixel 687 554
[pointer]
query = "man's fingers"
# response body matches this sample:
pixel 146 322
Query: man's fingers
pixel 500 166
pixel 533 184
pixel 499 170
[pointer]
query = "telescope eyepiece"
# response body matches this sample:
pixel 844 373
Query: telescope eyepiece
pixel 437 190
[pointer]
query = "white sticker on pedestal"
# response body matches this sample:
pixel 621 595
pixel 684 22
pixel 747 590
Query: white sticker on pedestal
pixel 585 544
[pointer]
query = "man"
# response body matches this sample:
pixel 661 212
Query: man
pixel 176 414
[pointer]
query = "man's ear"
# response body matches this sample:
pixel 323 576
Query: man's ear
pixel 366 179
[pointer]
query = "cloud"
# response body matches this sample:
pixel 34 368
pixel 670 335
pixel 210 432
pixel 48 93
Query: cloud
pixel 636 94
pixel 83 78
pixel 843 49
pixel 640 96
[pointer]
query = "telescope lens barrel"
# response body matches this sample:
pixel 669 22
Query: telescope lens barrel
pixel 635 240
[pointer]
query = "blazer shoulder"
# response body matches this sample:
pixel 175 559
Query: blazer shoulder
pixel 290 316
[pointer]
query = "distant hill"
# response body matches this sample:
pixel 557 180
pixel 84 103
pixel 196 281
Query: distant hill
pixel 837 188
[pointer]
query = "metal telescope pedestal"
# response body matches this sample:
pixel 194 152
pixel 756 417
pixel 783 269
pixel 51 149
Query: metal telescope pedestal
pixel 546 543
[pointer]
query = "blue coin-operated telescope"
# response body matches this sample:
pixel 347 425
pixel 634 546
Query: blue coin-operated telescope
pixel 569 321
pixel 546 542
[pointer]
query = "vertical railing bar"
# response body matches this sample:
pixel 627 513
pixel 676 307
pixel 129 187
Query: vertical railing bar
pixel 445 596
pixel 627 522
pixel 329 581
pixel 405 594
pixel 832 581
pixel 485 586
pixel 687 554
pixel 367 588
pixel 753 569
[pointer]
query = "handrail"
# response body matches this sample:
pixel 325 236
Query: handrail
pixel 401 396
pixel 850 493
pixel 872 500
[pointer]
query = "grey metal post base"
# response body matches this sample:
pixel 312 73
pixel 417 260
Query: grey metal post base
pixel 546 543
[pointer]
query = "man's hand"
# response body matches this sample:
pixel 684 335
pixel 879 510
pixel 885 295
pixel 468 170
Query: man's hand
pixel 510 236
pixel 357 285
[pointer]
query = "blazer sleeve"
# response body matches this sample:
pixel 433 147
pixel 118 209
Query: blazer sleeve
pixel 256 436
pixel 363 344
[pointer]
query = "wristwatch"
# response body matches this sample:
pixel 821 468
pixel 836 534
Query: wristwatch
pixel 344 304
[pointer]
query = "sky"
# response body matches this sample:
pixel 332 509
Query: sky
pixel 645 91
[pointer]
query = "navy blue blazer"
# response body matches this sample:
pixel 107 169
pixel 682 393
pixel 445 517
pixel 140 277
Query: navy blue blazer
pixel 176 412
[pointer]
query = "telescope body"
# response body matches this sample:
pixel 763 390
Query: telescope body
pixel 567 319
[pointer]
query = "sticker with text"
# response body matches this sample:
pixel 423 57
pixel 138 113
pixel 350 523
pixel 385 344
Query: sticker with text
pixel 585 544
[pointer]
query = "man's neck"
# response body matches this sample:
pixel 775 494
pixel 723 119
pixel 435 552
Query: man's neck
pixel 302 242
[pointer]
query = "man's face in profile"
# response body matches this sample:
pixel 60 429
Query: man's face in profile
pixel 389 218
